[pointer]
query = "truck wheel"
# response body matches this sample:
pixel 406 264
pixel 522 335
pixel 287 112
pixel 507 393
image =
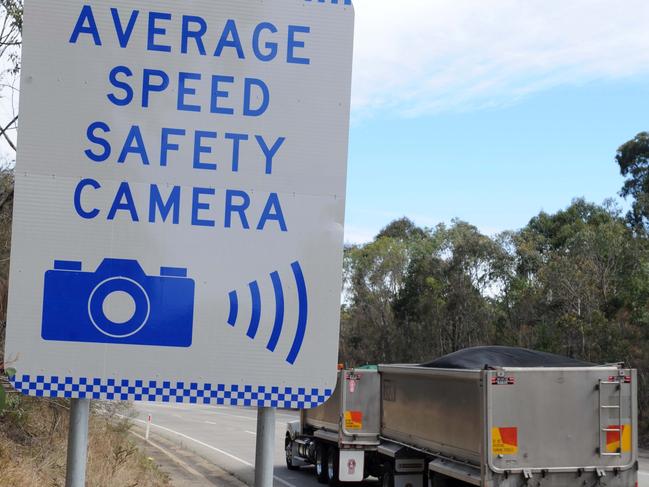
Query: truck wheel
pixel 332 466
pixel 387 479
pixel 321 468
pixel 440 481
pixel 288 448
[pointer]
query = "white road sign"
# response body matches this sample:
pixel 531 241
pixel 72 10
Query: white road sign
pixel 180 197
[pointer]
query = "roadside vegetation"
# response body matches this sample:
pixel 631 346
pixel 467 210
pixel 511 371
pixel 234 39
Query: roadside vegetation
pixel 575 283
pixel 33 441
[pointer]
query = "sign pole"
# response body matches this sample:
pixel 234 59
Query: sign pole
pixel 264 460
pixel 78 443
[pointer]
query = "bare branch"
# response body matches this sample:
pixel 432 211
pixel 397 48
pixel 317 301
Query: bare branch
pixel 3 132
pixel 6 197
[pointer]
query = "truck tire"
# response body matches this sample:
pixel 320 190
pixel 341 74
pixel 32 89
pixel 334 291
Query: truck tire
pixel 387 478
pixel 288 449
pixel 440 481
pixel 321 467
pixel 333 459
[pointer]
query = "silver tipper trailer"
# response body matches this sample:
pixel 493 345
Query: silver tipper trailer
pixel 515 427
pixel 417 426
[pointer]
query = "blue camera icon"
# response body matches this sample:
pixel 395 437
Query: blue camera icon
pixel 119 304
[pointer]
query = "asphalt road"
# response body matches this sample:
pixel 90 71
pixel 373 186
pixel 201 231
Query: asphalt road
pixel 643 475
pixel 226 437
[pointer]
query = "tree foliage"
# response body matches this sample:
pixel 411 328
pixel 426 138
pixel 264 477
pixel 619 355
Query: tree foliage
pixel 633 159
pixel 575 282
pixel 11 26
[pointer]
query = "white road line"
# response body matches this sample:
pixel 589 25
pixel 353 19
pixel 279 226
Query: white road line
pixel 173 457
pixel 251 433
pixel 184 407
pixel 218 450
pixel 211 410
pixel 249 418
pixel 212 422
pixel 644 474
pixel 217 413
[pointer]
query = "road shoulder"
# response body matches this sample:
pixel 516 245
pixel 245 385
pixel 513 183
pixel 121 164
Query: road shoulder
pixel 183 467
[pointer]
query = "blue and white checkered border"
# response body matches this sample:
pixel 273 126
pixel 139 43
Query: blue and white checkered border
pixel 170 392
pixel 334 2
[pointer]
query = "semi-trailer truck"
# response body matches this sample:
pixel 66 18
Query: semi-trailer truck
pixel 571 424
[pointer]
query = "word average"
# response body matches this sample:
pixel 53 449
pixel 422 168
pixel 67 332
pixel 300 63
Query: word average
pixel 263 43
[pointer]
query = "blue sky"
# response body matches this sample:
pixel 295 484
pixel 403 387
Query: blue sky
pixel 493 167
pixel 491 112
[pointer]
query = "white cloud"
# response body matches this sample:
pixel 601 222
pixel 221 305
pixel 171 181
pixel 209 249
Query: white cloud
pixel 419 56
pixel 359 235
pixel 414 57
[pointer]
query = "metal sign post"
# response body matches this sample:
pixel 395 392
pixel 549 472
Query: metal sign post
pixel 265 453
pixel 77 443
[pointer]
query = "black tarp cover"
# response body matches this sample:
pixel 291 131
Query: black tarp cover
pixel 493 357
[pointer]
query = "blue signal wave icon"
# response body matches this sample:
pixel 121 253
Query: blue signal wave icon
pixel 255 318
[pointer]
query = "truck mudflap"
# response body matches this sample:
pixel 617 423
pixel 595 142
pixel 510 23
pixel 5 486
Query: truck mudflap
pixel 459 471
pixel 351 466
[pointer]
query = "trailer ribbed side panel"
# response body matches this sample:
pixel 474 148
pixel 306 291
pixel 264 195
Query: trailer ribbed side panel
pixel 435 410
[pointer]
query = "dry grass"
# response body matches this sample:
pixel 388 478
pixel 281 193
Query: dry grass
pixel 33 438
pixel 33 432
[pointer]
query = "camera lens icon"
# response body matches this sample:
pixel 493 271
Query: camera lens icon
pixel 118 303
pixel 109 289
